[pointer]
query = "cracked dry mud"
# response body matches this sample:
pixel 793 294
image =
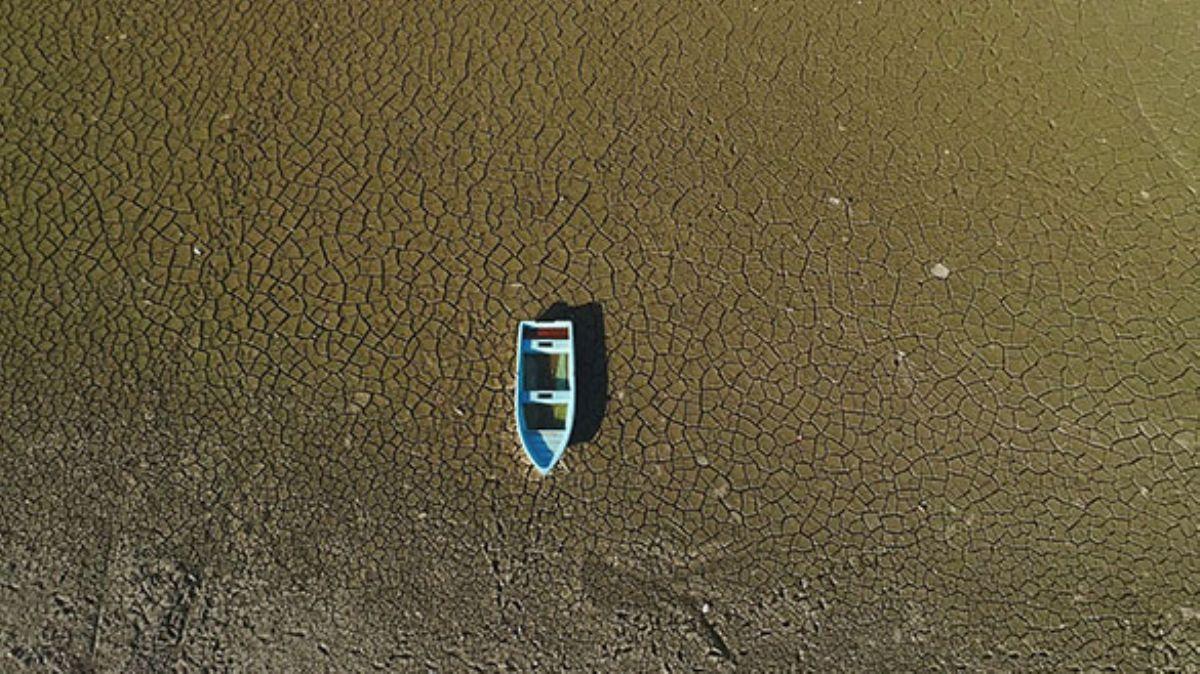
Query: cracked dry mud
pixel 902 317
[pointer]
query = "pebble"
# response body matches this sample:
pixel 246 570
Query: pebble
pixel 940 271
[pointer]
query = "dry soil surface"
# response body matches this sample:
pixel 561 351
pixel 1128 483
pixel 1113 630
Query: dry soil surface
pixel 901 304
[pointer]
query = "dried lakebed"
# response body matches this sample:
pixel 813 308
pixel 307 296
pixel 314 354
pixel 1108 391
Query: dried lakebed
pixel 900 312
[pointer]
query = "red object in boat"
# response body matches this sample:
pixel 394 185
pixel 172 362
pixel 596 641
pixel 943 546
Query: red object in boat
pixel 548 333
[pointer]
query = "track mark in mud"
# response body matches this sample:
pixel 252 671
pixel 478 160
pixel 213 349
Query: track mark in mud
pixel 701 611
pixel 102 590
pixel 166 595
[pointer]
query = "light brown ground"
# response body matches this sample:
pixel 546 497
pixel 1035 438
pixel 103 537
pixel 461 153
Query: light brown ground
pixel 902 319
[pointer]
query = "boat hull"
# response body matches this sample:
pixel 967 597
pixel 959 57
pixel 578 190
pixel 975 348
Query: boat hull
pixel 544 399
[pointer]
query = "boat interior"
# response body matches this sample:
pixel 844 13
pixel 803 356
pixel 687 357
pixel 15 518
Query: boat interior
pixel 547 371
pixel 546 379
pixel 546 374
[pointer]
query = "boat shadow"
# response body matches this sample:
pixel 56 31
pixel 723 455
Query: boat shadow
pixel 591 365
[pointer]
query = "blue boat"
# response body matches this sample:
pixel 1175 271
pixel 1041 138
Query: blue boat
pixel 545 391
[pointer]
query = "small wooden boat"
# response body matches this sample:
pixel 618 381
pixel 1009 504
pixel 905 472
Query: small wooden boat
pixel 545 391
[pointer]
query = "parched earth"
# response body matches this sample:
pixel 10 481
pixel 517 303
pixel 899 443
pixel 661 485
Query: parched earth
pixel 901 304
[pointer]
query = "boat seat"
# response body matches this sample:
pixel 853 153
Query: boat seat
pixel 545 346
pixel 547 397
